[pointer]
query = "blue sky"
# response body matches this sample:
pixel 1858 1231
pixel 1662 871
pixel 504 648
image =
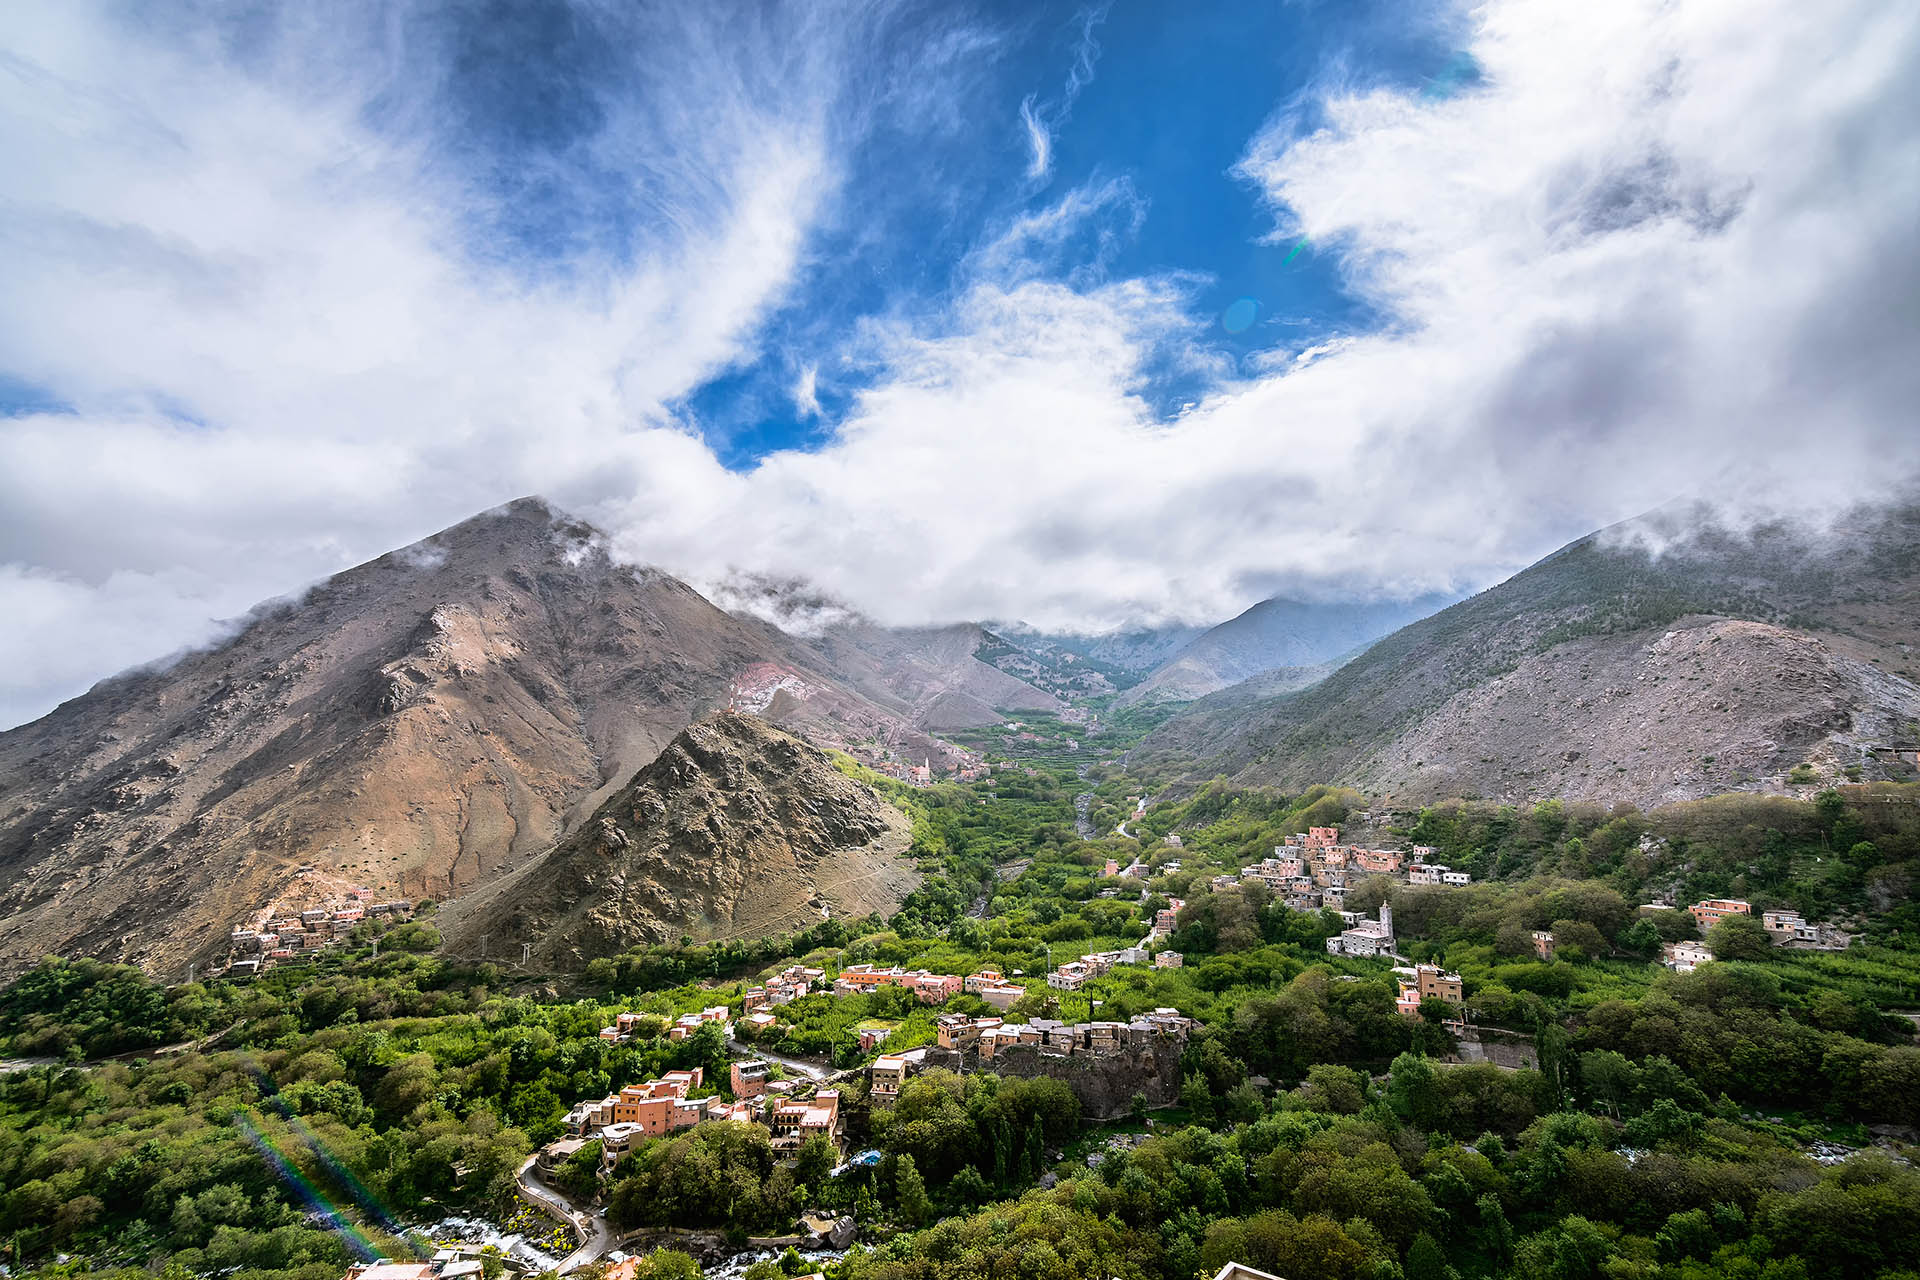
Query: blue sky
pixel 1159 99
pixel 1088 317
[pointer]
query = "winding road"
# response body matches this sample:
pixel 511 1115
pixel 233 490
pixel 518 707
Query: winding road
pixel 597 1236
pixel 805 1068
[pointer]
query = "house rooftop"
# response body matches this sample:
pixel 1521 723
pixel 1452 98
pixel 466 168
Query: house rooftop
pixel 1238 1271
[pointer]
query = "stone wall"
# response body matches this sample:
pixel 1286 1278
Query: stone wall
pixel 1105 1084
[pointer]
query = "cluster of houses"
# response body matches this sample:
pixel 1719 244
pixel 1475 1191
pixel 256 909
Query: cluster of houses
pixel 1785 928
pixel 626 1025
pixel 446 1264
pixel 914 775
pixel 929 988
pixel 276 936
pixel 1075 974
pixel 968 768
pixel 991 1037
pixel 621 1121
pixel 1313 869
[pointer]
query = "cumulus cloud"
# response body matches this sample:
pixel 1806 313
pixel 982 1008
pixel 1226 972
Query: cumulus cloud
pixel 1623 268
pixel 1648 250
pixel 295 324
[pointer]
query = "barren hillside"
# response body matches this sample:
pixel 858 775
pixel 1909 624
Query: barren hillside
pixel 417 724
pixel 736 829
pixel 1630 650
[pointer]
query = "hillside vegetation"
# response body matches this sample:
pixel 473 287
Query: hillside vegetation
pixel 1661 1126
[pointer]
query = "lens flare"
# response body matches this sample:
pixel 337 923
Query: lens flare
pixel 369 1204
pixel 308 1194
pixel 1239 316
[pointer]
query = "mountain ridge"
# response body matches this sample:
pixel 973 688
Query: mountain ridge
pixel 416 724
pixel 1403 720
pixel 1274 634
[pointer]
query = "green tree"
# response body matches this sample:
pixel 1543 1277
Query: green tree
pixel 1426 1260
pixel 815 1161
pixel 1641 938
pixel 1739 937
pixel 1413 1091
pixel 1495 1233
pixel 910 1193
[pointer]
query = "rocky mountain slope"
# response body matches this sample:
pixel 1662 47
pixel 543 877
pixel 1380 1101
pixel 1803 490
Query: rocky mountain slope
pixel 1270 635
pixel 418 725
pixel 736 829
pixel 932 671
pixel 1662 659
pixel 1069 664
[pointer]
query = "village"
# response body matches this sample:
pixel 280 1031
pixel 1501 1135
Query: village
pixel 1313 870
pixel 796 1110
pixel 277 934
pixel 1786 929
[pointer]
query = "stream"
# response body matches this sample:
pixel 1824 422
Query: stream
pixel 513 1244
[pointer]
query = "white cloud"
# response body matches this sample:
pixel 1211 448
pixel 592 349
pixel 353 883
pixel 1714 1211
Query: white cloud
pixel 1039 140
pixel 1658 249
pixel 806 392
pixel 1626 268
pixel 1042 121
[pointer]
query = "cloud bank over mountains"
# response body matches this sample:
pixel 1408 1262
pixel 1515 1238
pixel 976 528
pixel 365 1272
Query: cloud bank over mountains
pixel 289 290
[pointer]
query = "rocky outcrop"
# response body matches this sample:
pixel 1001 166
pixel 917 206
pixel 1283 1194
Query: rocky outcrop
pixel 736 829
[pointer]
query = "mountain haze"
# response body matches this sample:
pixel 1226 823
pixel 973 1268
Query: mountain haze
pixel 1271 635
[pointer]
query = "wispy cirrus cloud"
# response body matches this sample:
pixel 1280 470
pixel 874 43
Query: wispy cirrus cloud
pixel 308 281
pixel 1042 120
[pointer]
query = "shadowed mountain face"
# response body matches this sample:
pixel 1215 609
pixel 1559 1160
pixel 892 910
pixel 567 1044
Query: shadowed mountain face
pixel 1271 635
pixel 418 725
pixel 1653 661
pixel 736 829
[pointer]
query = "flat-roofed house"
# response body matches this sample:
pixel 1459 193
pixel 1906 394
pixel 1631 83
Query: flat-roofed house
pixel 1707 911
pixel 888 1075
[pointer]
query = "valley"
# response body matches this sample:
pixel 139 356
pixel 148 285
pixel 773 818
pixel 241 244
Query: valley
pixel 865 940
pixel 764 640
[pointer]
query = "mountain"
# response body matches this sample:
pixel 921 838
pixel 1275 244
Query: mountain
pixel 736 829
pixel 417 725
pixel 1070 665
pixel 1664 658
pixel 1270 635
pixel 934 675
pixel 933 671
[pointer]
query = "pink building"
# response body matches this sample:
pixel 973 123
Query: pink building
pixel 936 988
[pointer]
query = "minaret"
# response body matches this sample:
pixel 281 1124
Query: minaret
pixel 1386 918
